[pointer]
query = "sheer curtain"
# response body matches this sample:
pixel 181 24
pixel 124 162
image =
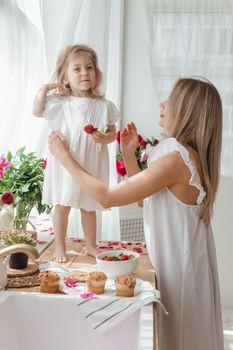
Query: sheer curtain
pixel 32 34
pixel 195 38
pixel 22 62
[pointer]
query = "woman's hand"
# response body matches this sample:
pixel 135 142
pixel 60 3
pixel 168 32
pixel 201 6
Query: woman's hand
pixel 129 140
pixel 58 145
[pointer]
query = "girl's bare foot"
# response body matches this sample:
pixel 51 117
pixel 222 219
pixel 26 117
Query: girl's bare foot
pixel 59 255
pixel 93 251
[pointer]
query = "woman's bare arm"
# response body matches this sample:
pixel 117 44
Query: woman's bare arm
pixel 162 173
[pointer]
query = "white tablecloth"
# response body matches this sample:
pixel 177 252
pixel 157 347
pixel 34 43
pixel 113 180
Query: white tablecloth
pixel 35 321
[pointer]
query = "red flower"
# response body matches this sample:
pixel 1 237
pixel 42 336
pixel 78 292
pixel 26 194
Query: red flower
pixel 118 136
pixel 45 163
pixel 139 138
pixel 7 198
pixel 120 167
pixel 143 142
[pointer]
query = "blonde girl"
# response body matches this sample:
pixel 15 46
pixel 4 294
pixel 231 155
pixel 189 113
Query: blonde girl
pixel 76 103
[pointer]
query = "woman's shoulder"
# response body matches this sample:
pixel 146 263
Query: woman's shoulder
pixel 169 146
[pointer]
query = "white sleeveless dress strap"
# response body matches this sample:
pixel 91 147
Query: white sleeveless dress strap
pixel 172 145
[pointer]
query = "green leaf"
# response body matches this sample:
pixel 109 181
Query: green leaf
pixel 9 156
pixel 20 150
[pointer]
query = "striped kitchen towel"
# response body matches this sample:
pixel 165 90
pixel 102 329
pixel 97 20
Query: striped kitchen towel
pixel 105 311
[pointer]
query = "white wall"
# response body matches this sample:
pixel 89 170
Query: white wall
pixel 223 233
pixel 140 105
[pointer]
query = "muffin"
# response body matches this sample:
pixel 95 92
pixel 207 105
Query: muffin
pixel 125 286
pixel 96 282
pixel 49 282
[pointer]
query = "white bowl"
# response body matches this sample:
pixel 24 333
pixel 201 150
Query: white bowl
pixel 114 269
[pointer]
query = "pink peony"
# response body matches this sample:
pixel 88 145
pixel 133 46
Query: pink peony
pixel 3 163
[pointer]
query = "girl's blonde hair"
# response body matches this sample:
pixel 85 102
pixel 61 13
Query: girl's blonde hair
pixel 63 60
pixel 197 111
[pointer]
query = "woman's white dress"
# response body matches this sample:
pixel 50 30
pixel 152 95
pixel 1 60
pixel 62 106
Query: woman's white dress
pixel 69 116
pixel 182 251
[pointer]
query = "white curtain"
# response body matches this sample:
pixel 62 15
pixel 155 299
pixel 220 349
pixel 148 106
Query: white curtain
pixel 195 38
pixel 31 36
pixel 22 68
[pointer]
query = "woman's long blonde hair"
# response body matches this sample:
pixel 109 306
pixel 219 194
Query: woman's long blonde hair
pixel 197 111
pixel 63 60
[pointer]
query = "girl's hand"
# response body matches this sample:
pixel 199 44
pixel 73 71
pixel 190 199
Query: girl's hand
pixel 58 145
pixel 104 138
pixel 129 140
pixel 99 137
pixel 47 87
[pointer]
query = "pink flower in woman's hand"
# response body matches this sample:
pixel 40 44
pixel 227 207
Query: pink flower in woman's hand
pixel 45 163
pixel 7 198
pixel 120 167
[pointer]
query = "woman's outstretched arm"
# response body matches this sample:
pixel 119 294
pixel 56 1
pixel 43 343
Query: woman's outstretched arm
pixel 162 173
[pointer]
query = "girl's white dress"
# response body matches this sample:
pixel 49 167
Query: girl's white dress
pixel 69 116
pixel 182 251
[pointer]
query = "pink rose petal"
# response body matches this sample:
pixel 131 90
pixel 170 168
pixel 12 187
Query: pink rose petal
pixel 76 240
pixel 41 242
pixel 87 295
pixel 137 249
pixel 70 282
pixel 103 247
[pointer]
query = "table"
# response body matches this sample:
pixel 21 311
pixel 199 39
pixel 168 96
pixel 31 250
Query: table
pixel 76 258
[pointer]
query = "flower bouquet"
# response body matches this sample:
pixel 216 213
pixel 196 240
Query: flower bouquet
pixel 21 178
pixel 142 151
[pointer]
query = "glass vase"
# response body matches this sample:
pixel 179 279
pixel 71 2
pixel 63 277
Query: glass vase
pixel 22 212
pixel 6 217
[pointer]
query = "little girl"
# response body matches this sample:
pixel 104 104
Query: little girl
pixel 179 188
pixel 77 104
